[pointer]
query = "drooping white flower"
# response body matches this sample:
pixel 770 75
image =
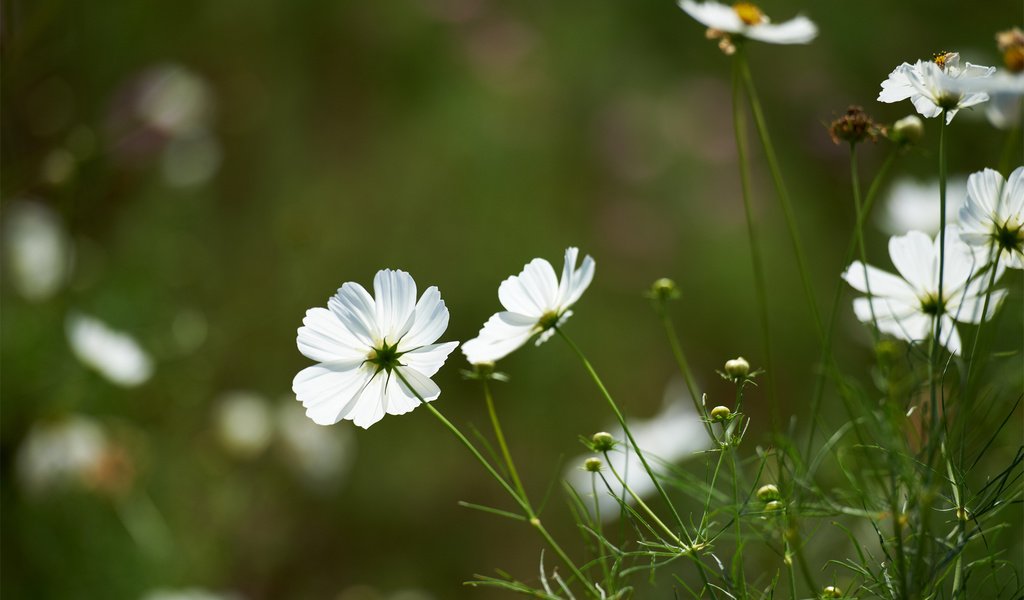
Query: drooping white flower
pixel 36 249
pixel 535 302
pixel 937 85
pixel 375 353
pixel 993 217
pixel 59 453
pixel 115 355
pixel 670 436
pixel 744 19
pixel 913 205
pixel 907 305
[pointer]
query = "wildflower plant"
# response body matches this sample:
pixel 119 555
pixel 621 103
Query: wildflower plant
pixel 907 517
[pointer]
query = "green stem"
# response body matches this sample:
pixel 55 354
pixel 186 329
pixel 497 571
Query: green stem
pixel 647 509
pixel 684 367
pixel 600 534
pixel 781 191
pixel 622 422
pixel 760 288
pixel 533 520
pixel 826 345
pixel 940 299
pixel 993 264
pixel 859 235
pixel 503 445
pixel 738 559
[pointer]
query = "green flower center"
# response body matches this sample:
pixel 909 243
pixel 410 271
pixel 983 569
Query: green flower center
pixel 1010 236
pixel 930 305
pixel 548 320
pixel 385 357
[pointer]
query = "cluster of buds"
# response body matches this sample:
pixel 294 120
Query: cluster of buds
pixel 769 494
pixel 854 127
pixel 1011 44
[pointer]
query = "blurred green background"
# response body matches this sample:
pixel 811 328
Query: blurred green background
pixel 220 167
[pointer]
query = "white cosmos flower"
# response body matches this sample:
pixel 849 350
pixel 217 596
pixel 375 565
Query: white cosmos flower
pixel 993 217
pixel 535 302
pixel 375 354
pixel 244 424
pixel 906 306
pixel 746 20
pixel 37 249
pixel 115 355
pixel 62 452
pixel 936 85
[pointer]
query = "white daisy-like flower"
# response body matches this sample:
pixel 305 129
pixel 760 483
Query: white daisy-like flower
pixel 993 217
pixel 907 305
pixel 937 85
pixel 115 355
pixel 535 302
pixel 375 353
pixel 746 20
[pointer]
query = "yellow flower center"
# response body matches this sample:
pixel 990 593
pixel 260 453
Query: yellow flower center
pixel 1013 58
pixel 940 58
pixel 749 13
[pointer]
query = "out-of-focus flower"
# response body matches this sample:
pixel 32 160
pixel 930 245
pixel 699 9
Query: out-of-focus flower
pixel 188 594
pixel 244 424
pixel 61 453
pixel 36 249
pixel 912 205
pixel 907 306
pixel 535 302
pixel 854 127
pixel 936 86
pixel 190 160
pixel 671 436
pixel 993 216
pixel 908 130
pixel 745 20
pixel 376 355
pixel 115 355
pixel 321 456
pixel 174 100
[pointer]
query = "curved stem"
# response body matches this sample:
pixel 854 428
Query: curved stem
pixel 622 422
pixel 502 445
pixel 742 153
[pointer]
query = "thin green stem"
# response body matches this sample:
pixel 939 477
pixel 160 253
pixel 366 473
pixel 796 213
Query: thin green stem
pixel 738 499
pixel 760 287
pixel 994 266
pixel 533 520
pixel 934 378
pixel 622 422
pixel 826 345
pixel 859 235
pixel 684 367
pixel 781 191
pixel 600 534
pixel 503 445
pixel 647 509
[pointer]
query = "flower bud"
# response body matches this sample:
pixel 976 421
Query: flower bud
pixel 602 441
pixel 592 465
pixel 908 130
pixel 831 591
pixel 768 492
pixel 664 289
pixel 774 506
pixel 737 368
pixel 720 413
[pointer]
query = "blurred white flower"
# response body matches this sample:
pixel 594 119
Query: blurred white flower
pixel 535 302
pixel 115 355
pixel 906 306
pixel 912 205
pixel 993 217
pixel 674 434
pixel 746 20
pixel 937 85
pixel 187 594
pixel 244 424
pixel 59 453
pixel 375 355
pixel 36 249
pixel 322 456
pixel 174 100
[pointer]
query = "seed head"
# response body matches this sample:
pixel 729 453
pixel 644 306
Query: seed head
pixel 854 127
pixel 1011 44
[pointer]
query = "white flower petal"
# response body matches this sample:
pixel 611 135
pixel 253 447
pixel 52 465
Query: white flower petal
pixel 969 309
pixel 985 188
pixel 713 15
pixel 897 86
pixel 1013 195
pixel 354 306
pixel 370 405
pixel 428 359
pixel 329 391
pixel 323 338
pixel 949 336
pixel 533 292
pixel 417 383
pixel 926 107
pixel 913 256
pixel 581 279
pixel 880 283
pixel 799 30
pixel 395 297
pixel 431 320
pixel 503 333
